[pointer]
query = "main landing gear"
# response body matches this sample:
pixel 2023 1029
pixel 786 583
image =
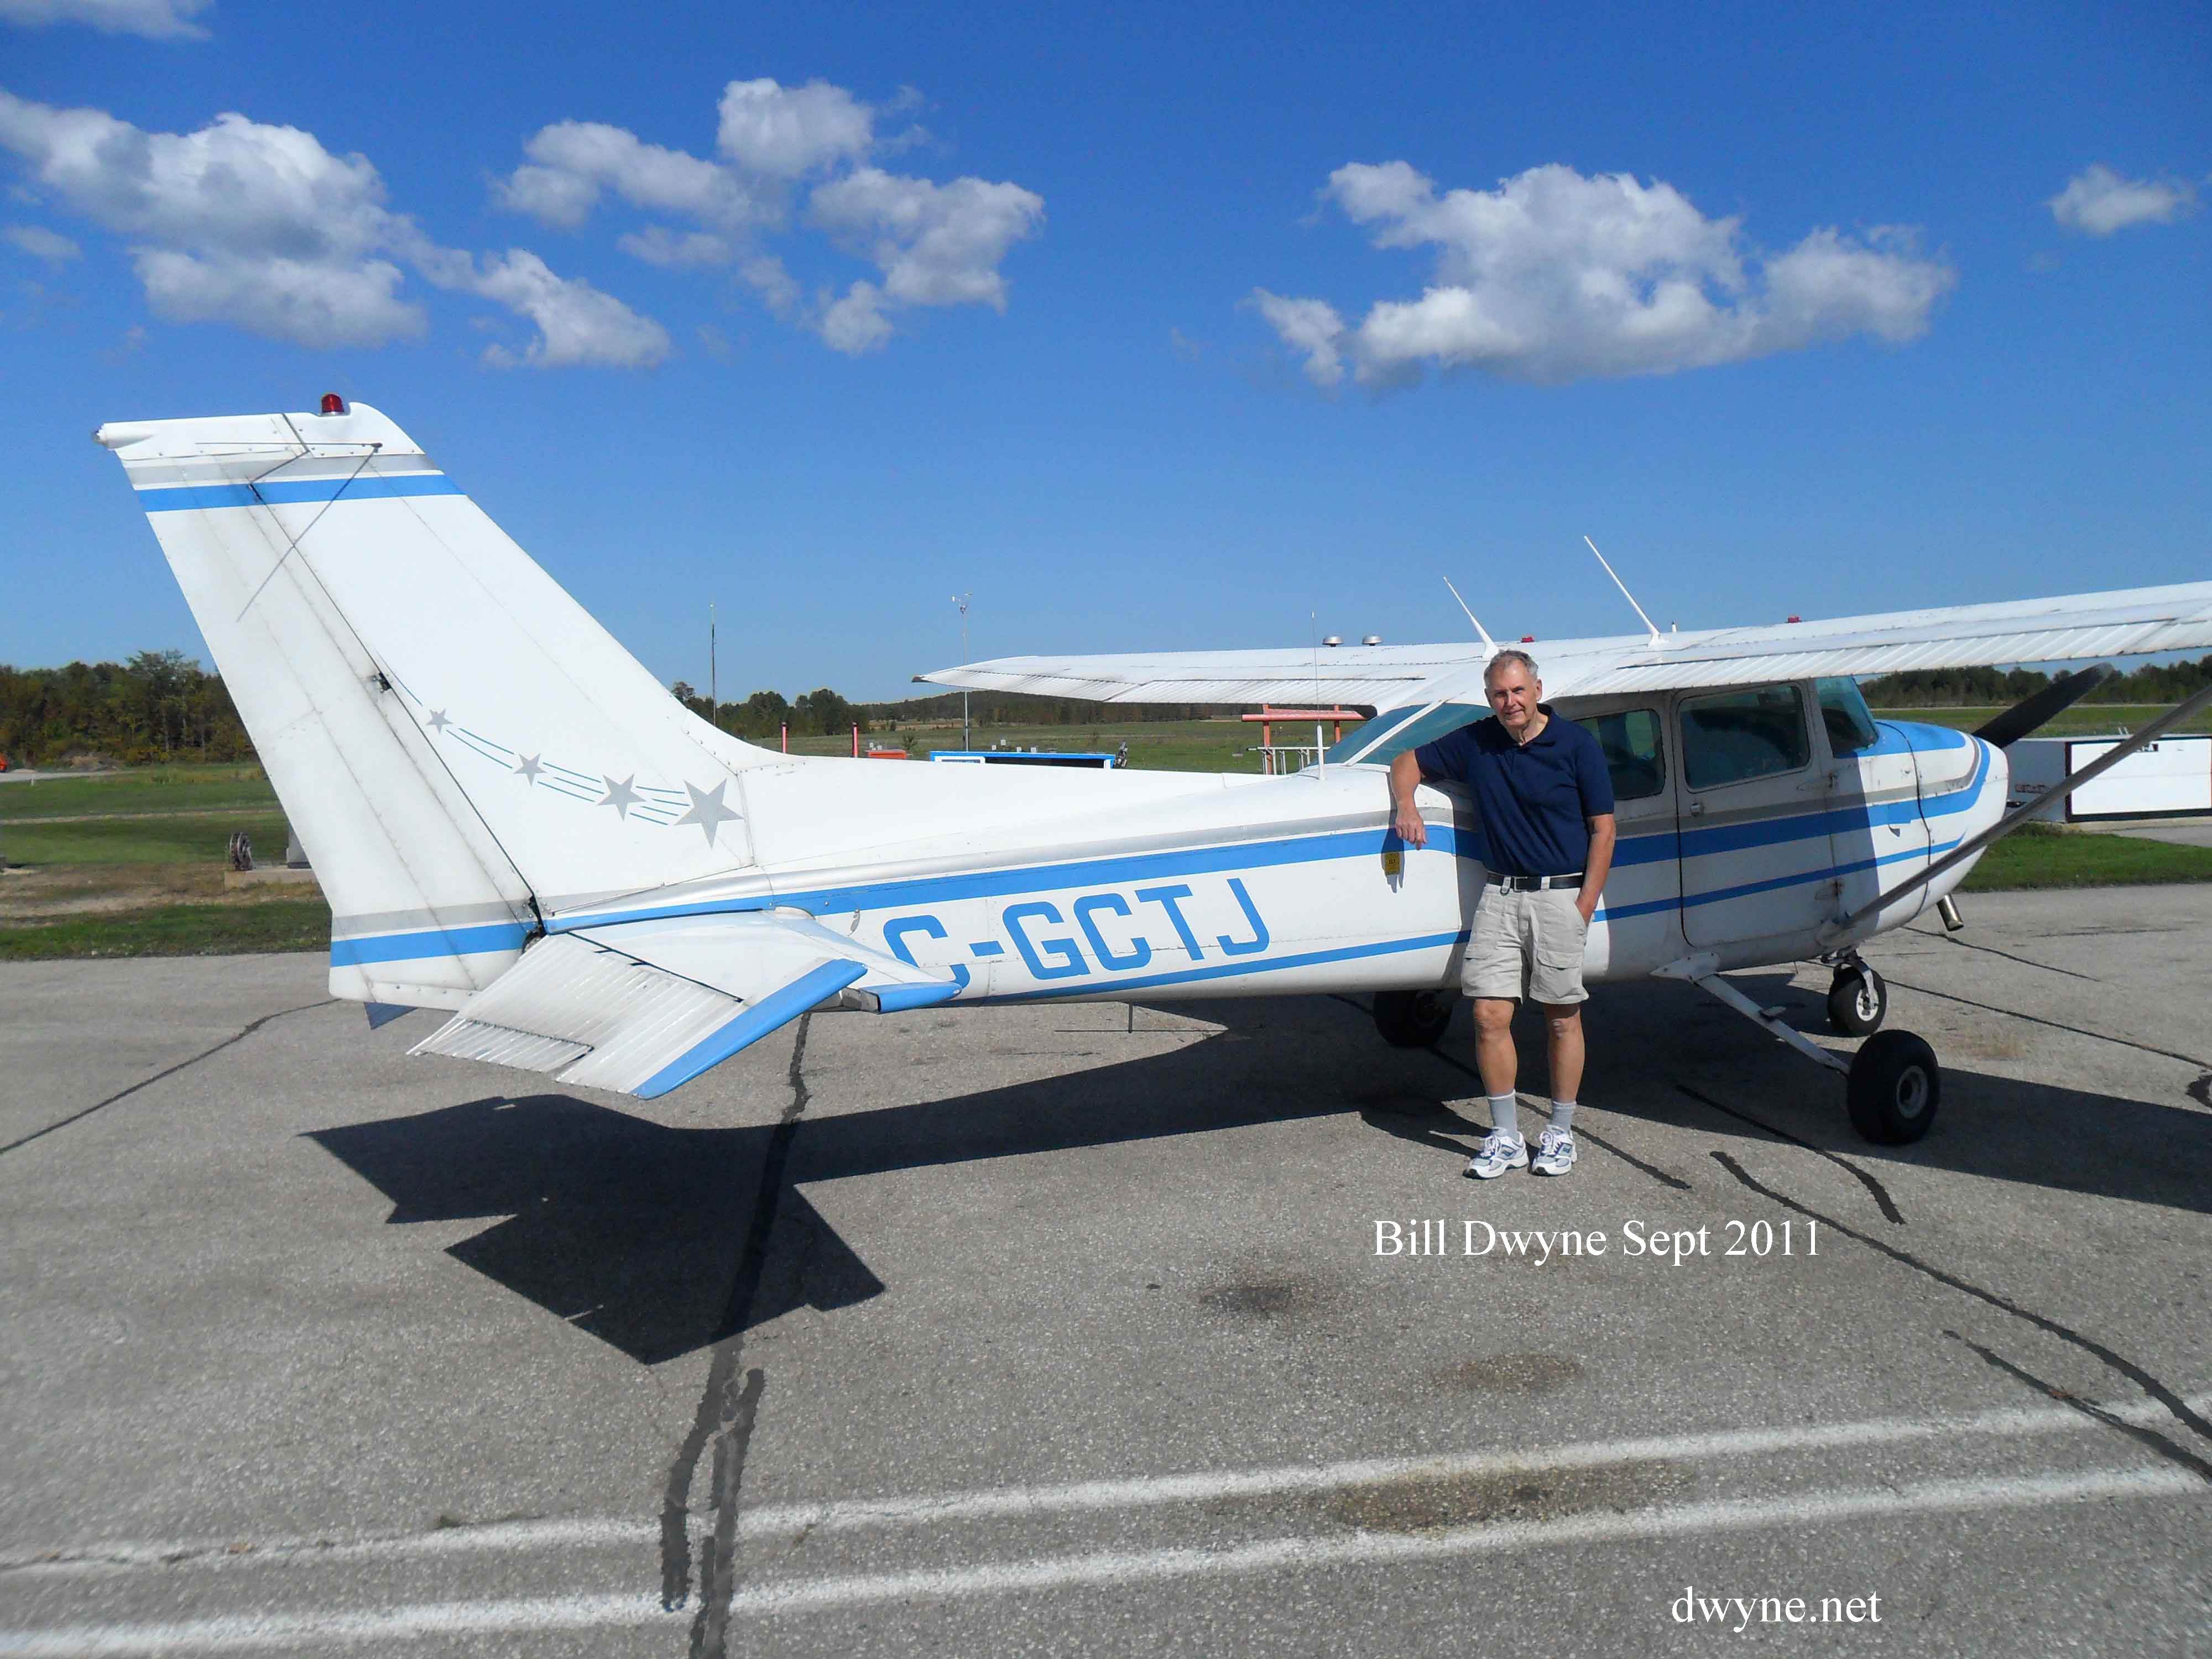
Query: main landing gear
pixel 1892 1085
pixel 1412 1019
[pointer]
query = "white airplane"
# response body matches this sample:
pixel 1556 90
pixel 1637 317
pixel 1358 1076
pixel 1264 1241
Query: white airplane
pixel 515 823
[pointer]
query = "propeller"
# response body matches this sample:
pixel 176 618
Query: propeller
pixel 2032 712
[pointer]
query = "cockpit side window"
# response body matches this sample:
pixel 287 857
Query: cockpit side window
pixel 1844 712
pixel 1633 752
pixel 1733 737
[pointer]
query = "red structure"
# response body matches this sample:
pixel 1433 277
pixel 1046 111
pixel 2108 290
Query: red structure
pixel 1268 715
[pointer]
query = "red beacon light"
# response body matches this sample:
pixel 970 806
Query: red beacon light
pixel 332 403
pixel 1792 619
pixel 1527 639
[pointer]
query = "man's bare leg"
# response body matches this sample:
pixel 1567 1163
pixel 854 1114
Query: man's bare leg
pixel 1563 1043
pixel 1495 1056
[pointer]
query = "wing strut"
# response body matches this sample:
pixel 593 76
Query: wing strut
pixel 2004 826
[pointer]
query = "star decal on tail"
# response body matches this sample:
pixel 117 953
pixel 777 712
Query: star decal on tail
pixel 707 809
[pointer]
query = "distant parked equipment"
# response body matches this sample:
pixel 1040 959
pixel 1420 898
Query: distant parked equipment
pixel 1022 757
pixel 2171 778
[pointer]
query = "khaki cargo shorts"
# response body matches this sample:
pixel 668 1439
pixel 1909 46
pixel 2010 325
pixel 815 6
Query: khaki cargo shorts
pixel 1527 944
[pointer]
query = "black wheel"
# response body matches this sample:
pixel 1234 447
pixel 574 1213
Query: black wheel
pixel 1894 1088
pixel 1412 1019
pixel 1858 1001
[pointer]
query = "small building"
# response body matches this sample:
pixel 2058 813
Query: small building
pixel 2171 778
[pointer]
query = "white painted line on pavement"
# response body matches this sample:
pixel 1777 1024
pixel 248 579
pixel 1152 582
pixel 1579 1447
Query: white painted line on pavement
pixel 1141 1491
pixel 252 1633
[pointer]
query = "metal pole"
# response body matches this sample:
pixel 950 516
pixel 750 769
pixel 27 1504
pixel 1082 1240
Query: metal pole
pixel 961 599
pixel 713 686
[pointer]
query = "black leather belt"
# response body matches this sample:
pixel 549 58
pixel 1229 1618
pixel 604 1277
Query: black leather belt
pixel 1535 884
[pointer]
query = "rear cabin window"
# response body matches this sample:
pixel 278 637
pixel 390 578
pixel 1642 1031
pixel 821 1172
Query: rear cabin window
pixel 1633 753
pixel 1733 736
pixel 1844 712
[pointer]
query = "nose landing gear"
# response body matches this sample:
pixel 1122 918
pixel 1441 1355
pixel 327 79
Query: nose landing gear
pixel 1858 997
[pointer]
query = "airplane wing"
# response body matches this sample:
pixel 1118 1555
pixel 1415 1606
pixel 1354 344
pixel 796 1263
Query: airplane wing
pixel 2123 622
pixel 642 1007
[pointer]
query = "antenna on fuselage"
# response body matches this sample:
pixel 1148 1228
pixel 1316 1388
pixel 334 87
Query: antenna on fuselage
pixel 1657 641
pixel 1488 644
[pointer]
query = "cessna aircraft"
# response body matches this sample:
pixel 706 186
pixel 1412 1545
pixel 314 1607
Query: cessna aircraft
pixel 515 823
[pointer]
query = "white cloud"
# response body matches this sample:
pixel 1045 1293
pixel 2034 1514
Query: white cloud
pixel 2097 202
pixel 1554 277
pixel 1309 326
pixel 575 160
pixel 313 303
pixel 157 19
pixel 42 244
pixel 657 244
pixel 937 245
pixel 856 323
pixel 932 244
pixel 261 227
pixel 788 132
pixel 578 325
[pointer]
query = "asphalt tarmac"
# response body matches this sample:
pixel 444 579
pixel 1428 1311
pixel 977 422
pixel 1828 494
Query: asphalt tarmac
pixel 1063 1328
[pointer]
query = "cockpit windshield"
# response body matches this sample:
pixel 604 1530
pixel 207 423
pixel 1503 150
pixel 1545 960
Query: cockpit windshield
pixel 1391 733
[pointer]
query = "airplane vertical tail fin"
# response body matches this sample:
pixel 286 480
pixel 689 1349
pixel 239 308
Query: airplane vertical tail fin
pixel 461 749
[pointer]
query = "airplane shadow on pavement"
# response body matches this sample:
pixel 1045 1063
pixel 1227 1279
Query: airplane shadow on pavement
pixel 632 1230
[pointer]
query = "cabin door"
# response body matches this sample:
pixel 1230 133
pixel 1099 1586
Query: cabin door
pixel 1752 816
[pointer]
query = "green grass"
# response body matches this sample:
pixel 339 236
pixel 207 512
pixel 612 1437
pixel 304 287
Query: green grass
pixel 155 789
pixel 173 930
pixel 2043 855
pixel 1205 745
pixel 145 841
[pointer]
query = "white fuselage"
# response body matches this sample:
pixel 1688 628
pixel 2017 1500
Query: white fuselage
pixel 1163 887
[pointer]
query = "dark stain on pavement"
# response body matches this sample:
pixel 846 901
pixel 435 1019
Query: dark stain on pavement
pixel 1511 1373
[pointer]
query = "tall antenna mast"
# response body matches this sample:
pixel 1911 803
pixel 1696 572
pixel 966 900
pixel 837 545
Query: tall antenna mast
pixel 961 599
pixel 1488 644
pixel 1657 641
pixel 713 683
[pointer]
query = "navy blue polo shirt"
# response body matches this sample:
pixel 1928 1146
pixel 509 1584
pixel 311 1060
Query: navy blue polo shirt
pixel 1534 798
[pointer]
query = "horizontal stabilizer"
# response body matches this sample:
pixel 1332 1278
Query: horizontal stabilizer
pixel 642 1007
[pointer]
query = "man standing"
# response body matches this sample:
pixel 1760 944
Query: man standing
pixel 1545 797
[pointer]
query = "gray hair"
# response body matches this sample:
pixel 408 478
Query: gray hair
pixel 1509 654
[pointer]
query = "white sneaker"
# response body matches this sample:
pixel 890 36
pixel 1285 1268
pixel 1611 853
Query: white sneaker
pixel 1555 1152
pixel 1502 1150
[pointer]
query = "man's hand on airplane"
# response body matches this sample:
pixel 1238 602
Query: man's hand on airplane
pixel 1405 778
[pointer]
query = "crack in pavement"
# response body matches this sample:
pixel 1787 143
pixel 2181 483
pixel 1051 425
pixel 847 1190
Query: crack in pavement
pixel 2178 1408
pixel 2060 1025
pixel 1881 1193
pixel 727 1409
pixel 2025 961
pixel 2148 1436
pixel 148 1083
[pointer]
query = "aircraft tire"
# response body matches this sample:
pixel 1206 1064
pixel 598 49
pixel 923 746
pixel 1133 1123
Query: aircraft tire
pixel 1858 1001
pixel 1894 1088
pixel 1412 1019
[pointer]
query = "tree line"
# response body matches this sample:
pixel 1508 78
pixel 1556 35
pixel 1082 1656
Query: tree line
pixel 163 706
pixel 159 706
pixel 1953 687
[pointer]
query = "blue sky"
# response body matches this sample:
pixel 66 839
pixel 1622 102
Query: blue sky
pixel 1153 327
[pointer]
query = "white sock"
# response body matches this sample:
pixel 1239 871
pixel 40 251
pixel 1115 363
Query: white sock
pixel 1563 1116
pixel 1504 1113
